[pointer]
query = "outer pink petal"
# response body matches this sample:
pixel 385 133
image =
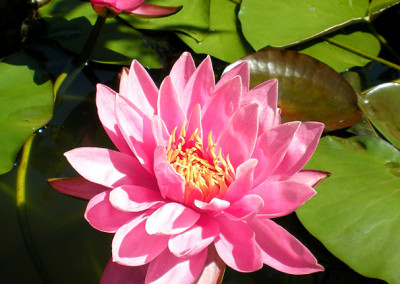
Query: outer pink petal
pixel 216 205
pixel 139 89
pixel 135 198
pixel 171 218
pixel 237 247
pixel 181 72
pixel 300 149
pixel 241 69
pixel 105 101
pixel 199 87
pixel 109 168
pixel 243 181
pixel 271 148
pixel 245 208
pixel 103 216
pixel 115 273
pixel 169 108
pixel 282 198
pixel 76 186
pixel 171 184
pixel 238 137
pixel 160 131
pixel 132 245
pixel 136 129
pixel 214 268
pixel 222 105
pixel 195 121
pixel 309 177
pixel 195 239
pixel 167 268
pixel 281 250
pixel 266 96
pixel 154 11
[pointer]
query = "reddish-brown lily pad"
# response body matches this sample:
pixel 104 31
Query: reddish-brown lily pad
pixel 308 88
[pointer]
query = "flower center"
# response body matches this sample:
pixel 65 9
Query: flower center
pixel 203 170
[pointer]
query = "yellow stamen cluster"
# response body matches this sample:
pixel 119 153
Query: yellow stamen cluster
pixel 202 169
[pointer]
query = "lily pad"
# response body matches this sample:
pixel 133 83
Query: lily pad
pixel 381 105
pixel 379 5
pixel 342 59
pixel 223 39
pixel 356 211
pixel 281 23
pixel 69 22
pixel 308 88
pixel 26 104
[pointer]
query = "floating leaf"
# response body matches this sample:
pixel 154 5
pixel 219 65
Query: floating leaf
pixel 26 103
pixel 342 59
pixel 223 40
pixel 379 5
pixel 356 211
pixel 381 105
pixel 308 88
pixel 280 23
pixel 69 22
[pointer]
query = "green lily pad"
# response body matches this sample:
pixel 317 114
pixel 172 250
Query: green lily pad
pixel 193 20
pixel 342 59
pixel 69 22
pixel 381 105
pixel 379 5
pixel 223 39
pixel 308 88
pixel 26 104
pixel 281 23
pixel 356 211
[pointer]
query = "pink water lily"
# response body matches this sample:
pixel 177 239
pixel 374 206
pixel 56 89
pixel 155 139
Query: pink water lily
pixel 111 8
pixel 201 170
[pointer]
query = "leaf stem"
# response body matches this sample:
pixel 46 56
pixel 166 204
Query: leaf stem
pixel 362 53
pixel 22 211
pixel 384 42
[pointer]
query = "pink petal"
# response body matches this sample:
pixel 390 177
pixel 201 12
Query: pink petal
pixel 241 69
pixel 160 131
pixel 182 71
pixel 222 105
pixel 199 87
pixel 140 90
pixel 154 11
pixel 271 148
pixel 214 268
pixel 243 181
pixel 195 239
pixel 195 121
pixel 76 186
pixel 115 273
pixel 103 216
pixel 245 208
pixel 266 96
pixel 132 245
pixel 238 137
pixel 136 129
pixel 300 149
pixel 105 101
pixel 108 168
pixel 119 4
pixel 282 198
pixel 172 218
pixel 168 268
pixel 281 250
pixel 237 247
pixel 215 205
pixel 135 198
pixel 169 108
pixel 171 184
pixel 309 177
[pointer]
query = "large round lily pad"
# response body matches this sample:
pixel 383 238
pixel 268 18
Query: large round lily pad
pixel 355 213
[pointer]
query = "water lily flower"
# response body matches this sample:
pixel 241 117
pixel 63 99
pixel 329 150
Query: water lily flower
pixel 201 169
pixel 111 8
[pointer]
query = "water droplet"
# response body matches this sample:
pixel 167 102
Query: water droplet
pixel 366 101
pixel 312 9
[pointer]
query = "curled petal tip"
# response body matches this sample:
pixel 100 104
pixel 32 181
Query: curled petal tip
pixel 153 11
